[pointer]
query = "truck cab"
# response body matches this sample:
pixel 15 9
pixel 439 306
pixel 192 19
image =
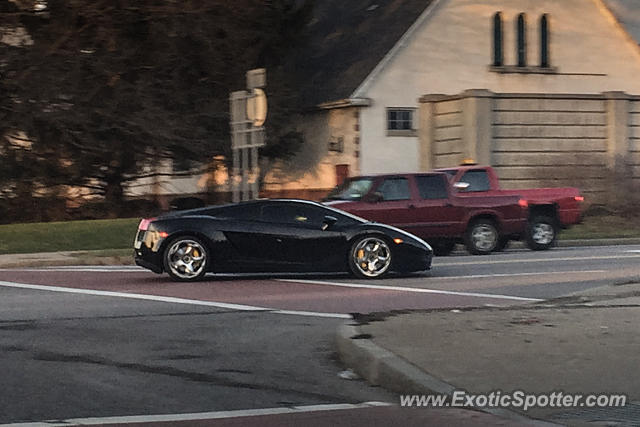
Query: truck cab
pixel 427 205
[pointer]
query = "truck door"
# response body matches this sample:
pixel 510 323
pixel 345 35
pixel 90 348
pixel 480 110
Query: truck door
pixel 438 216
pixel 393 203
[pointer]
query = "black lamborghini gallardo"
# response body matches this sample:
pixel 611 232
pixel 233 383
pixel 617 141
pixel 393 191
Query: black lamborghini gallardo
pixel 275 236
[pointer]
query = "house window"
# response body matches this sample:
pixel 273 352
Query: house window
pixel 498 56
pixel 544 41
pixel 520 66
pixel 336 143
pixel 400 122
pixel 521 29
pixel 181 165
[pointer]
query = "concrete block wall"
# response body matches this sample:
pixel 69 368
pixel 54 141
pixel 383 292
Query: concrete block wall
pixel 634 141
pixel 550 142
pixel 447 146
pixel 540 140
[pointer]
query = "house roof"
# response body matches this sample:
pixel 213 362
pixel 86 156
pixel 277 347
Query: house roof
pixel 346 41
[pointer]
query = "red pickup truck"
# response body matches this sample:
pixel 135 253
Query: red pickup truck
pixel 550 209
pixel 427 205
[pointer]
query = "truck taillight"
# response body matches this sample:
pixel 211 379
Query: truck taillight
pixel 579 198
pixel 144 224
pixel 523 203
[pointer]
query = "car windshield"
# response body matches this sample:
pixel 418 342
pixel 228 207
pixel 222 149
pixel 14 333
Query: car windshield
pixel 351 189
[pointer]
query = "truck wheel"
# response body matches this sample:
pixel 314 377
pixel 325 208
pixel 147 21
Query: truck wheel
pixel 542 232
pixel 481 237
pixel 443 247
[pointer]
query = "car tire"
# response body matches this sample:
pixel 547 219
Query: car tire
pixel 443 247
pixel 481 237
pixel 186 259
pixel 370 257
pixel 542 233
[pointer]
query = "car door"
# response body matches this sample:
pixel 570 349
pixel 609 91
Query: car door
pixel 250 241
pixel 438 216
pixel 295 237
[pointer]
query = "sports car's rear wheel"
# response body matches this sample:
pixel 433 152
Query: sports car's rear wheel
pixel 186 259
pixel 370 257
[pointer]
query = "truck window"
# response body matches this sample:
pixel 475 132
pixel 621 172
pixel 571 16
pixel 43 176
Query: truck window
pixel 432 187
pixel 395 189
pixel 478 180
pixel 351 189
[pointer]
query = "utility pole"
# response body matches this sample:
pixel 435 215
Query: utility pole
pixel 248 114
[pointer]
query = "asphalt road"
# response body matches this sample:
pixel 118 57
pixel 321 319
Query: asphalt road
pixel 121 341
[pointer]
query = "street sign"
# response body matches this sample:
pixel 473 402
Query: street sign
pixel 257 107
pixel 248 111
pixel 256 78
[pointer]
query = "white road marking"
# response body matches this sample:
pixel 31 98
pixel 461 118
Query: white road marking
pixel 172 300
pixel 408 289
pixel 484 261
pixel 634 251
pixel 201 416
pixel 92 269
pixel 480 276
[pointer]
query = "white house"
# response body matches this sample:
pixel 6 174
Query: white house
pixel 368 64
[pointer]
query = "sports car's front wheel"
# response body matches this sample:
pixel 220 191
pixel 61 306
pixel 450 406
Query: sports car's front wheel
pixel 186 259
pixel 370 257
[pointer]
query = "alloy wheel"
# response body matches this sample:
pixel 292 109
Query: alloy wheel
pixel 371 257
pixel 186 259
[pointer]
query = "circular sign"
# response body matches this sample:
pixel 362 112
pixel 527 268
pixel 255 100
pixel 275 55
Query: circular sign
pixel 257 107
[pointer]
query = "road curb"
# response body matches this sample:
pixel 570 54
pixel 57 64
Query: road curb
pixel 382 367
pixel 599 242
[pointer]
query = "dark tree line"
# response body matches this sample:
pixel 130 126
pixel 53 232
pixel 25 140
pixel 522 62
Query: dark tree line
pixel 92 92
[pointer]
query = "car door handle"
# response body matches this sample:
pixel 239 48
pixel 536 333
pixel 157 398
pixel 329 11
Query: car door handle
pixel 412 206
pixel 279 240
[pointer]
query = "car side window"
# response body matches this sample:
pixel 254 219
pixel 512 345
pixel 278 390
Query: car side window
pixel 395 189
pixel 243 212
pixel 432 187
pixel 292 214
pixel 478 180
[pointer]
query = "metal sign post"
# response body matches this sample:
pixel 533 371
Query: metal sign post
pixel 248 114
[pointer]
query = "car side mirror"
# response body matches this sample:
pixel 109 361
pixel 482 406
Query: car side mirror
pixel 328 222
pixel 374 197
pixel 461 186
